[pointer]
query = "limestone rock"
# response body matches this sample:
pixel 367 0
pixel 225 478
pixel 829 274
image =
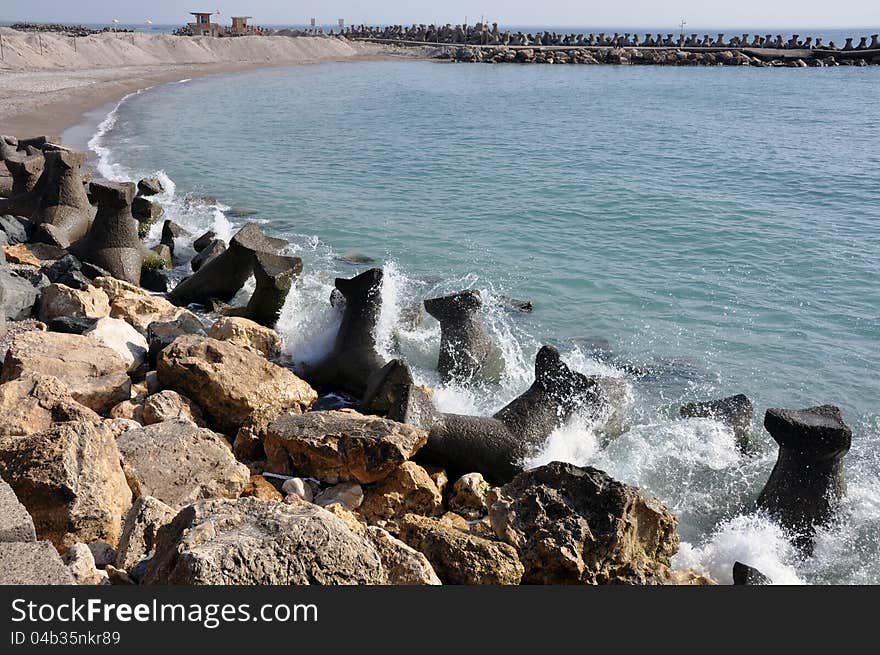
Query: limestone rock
pixel 179 463
pixel 230 383
pixel 169 405
pixel 340 446
pixel 118 335
pixel 407 489
pixel 96 376
pixel 15 522
pixel 32 563
pixel 404 565
pixel 348 494
pixel 34 402
pixel 247 333
pixel 81 563
pixel 139 530
pixel 459 557
pixel 130 410
pixel 70 480
pixel 469 495
pixel 136 306
pixel 298 487
pixel 58 301
pixel 575 525
pixel 259 487
pixel 257 542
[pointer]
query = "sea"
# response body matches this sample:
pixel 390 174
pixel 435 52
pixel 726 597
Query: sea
pixel 698 232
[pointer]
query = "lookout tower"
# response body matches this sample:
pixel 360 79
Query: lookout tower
pixel 240 26
pixel 203 25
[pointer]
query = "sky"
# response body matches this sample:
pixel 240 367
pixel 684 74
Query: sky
pixel 633 13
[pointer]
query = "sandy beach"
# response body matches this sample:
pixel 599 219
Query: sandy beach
pixel 48 81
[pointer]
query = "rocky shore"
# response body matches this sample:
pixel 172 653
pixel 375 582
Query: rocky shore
pixel 151 433
pixel 489 44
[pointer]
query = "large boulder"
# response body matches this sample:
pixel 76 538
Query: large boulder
pixel 70 480
pixel 247 333
pixel 60 301
pixel 179 463
pixel 575 525
pixel 223 276
pixel 113 242
pixel 122 338
pixel 261 542
pixel 140 528
pixel 230 383
pixel 15 522
pixel 340 446
pixel 459 557
pixel 404 565
pixel 64 213
pixel 162 334
pixel 808 480
pixel 17 295
pixel 34 402
pixel 32 563
pixel 96 376
pixel 169 405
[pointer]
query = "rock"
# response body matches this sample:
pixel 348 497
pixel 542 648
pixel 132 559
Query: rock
pixel 247 333
pixel 140 528
pixel 206 254
pixel 15 522
pixel 68 271
pixel 459 557
pixel 169 405
pixel 404 565
pixel 149 186
pixel 123 339
pixel 454 520
pixel 223 276
pixel 259 487
pixel 67 325
pixel 348 494
pixel 204 241
pixel 274 276
pixel 113 241
pixel 119 577
pixel 469 496
pixel 161 334
pixel 689 578
pixel 17 296
pixel 808 480
pixel 70 480
pixel 746 575
pixel 230 383
pixel 340 446
pixel 81 563
pixel 257 542
pixel 95 374
pixel 64 214
pixel 34 402
pixel 137 307
pixel 575 525
pixel 298 487
pixel 21 254
pixel 131 410
pixel 407 489
pixel 33 563
pixel 155 279
pixel 735 411
pixel 163 255
pixel 14 228
pixel 103 553
pixel 179 463
pixel 58 300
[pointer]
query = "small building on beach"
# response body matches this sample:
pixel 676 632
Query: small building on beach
pixel 203 26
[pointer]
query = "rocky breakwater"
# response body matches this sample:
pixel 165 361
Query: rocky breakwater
pixel 153 438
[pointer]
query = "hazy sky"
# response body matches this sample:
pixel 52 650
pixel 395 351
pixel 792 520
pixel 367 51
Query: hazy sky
pixel 635 13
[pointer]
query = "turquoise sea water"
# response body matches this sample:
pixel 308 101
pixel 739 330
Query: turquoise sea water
pixel 718 227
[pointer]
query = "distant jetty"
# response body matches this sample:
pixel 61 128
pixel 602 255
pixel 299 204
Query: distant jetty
pixel 489 44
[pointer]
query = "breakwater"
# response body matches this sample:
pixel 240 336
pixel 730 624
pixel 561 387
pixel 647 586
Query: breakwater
pixel 484 43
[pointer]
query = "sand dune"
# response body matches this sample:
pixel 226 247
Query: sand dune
pixel 47 80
